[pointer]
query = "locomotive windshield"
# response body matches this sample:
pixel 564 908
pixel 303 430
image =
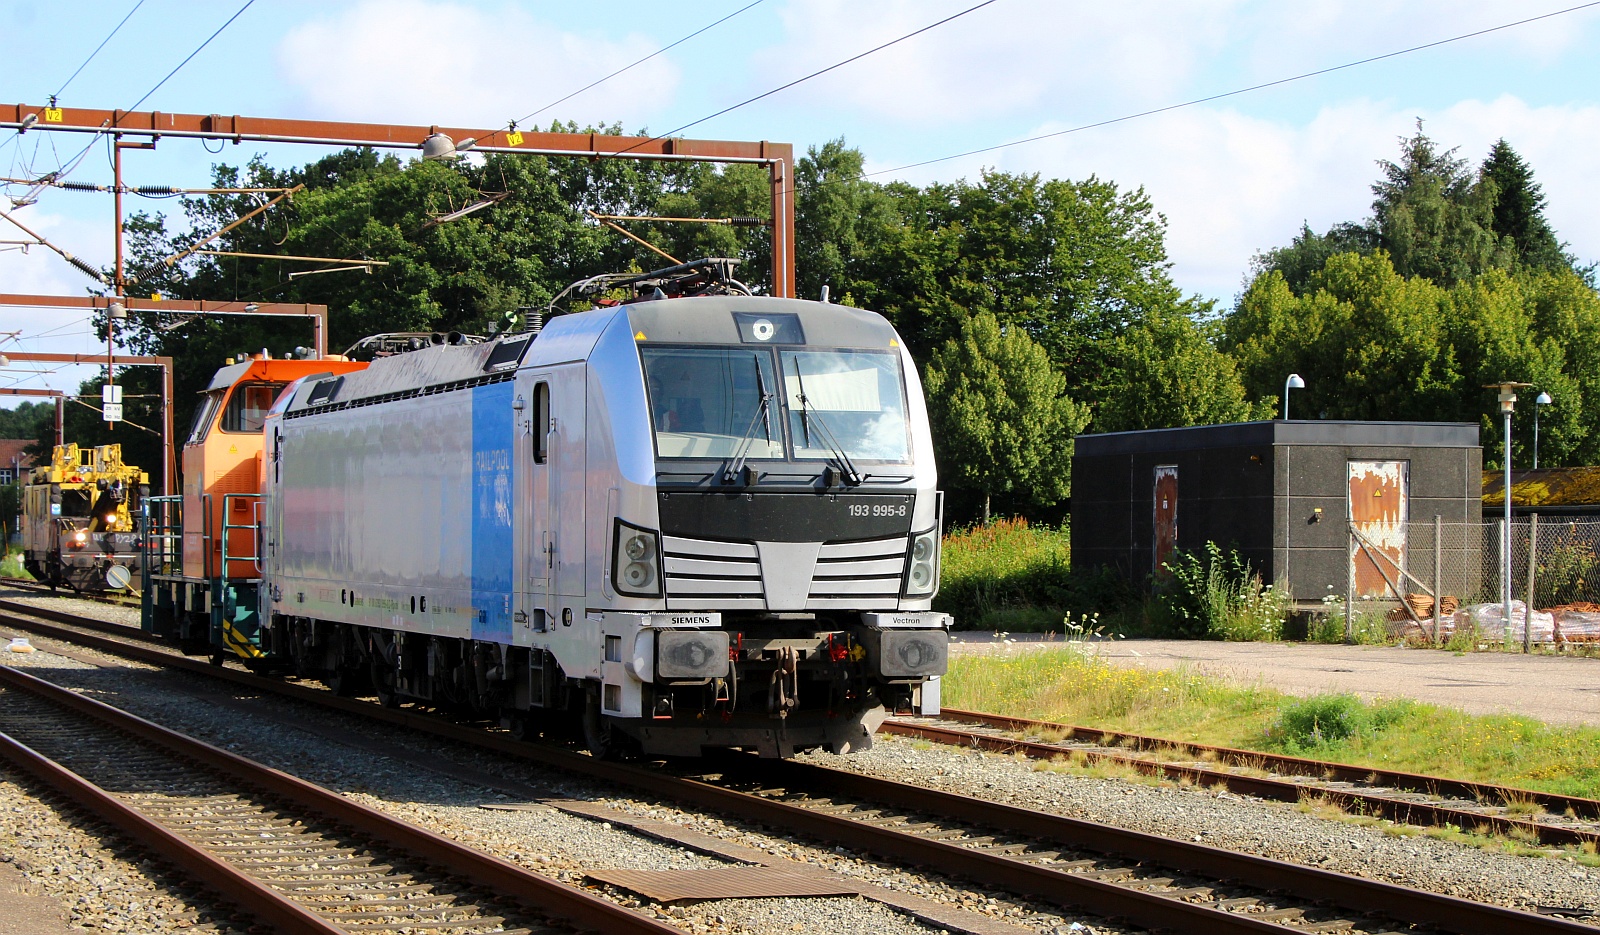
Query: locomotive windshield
pixel 712 402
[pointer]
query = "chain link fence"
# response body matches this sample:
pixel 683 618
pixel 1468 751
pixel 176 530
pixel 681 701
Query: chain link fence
pixel 1438 580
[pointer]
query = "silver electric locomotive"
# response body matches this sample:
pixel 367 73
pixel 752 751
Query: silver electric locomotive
pixel 678 523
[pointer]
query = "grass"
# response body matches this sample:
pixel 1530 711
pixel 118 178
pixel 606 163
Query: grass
pixel 1017 577
pixel 1070 684
pixel 11 566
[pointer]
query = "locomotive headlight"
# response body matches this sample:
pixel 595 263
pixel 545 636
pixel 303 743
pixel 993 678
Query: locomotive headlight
pixel 922 565
pixel 635 561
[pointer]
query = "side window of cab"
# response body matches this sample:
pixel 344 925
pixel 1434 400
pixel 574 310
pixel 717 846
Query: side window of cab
pixel 247 407
pixel 204 416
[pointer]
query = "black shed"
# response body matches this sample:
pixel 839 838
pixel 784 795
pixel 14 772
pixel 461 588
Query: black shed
pixel 1283 493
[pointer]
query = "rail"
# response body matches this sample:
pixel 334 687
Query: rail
pixel 984 856
pixel 468 868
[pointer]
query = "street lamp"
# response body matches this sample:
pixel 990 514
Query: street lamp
pixel 1508 401
pixel 1293 383
pixel 1543 399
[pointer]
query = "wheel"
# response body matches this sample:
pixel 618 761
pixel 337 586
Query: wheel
pixel 603 741
pixel 522 727
pixel 344 682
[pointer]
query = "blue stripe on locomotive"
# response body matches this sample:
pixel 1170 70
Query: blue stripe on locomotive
pixel 493 500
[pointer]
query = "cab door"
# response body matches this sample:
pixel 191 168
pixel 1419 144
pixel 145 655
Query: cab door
pixel 554 545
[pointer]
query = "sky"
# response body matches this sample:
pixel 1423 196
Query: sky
pixel 1231 176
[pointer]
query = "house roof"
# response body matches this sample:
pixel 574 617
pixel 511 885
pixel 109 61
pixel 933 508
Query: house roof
pixel 1572 486
pixel 12 448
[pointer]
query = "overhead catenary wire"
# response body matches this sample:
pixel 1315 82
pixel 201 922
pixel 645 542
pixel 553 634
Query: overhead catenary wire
pixel 638 62
pixel 1237 91
pixel 74 75
pixel 819 72
pixel 191 55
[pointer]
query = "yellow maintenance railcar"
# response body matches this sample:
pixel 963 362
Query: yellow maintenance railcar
pixel 81 524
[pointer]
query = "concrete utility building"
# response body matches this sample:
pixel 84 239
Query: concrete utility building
pixel 1284 493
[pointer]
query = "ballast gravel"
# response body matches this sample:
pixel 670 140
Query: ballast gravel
pixel 563 846
pixel 544 840
pixel 1239 823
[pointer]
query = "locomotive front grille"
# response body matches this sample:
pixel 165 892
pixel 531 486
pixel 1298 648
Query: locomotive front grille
pixel 713 574
pixel 708 574
pixel 858 575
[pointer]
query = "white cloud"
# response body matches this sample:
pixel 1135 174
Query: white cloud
pixel 1082 61
pixel 418 61
pixel 1231 184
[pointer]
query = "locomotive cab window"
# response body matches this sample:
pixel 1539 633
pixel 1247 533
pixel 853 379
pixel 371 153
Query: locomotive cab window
pixel 204 416
pixel 711 402
pixel 854 397
pixel 247 407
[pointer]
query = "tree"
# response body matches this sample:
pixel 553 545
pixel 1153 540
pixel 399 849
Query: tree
pixel 10 509
pixel 24 420
pixel 1519 209
pixel 1434 217
pixel 1437 219
pixel 1375 345
pixel 1166 372
pixel 1002 421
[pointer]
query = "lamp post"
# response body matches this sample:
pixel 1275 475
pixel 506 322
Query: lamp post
pixel 1293 383
pixel 1508 401
pixel 1543 399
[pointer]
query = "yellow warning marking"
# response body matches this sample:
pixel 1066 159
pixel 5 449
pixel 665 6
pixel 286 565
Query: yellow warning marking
pixel 237 642
pixel 639 336
pixel 514 138
pixel 155 296
pixel 233 450
pixel 52 115
pixel 893 343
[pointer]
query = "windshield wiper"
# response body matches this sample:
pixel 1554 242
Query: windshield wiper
pixel 748 439
pixel 847 468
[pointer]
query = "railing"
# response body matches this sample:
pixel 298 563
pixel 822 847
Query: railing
pixel 162 542
pixel 232 502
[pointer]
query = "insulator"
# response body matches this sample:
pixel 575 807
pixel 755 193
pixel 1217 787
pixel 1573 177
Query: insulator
pixel 156 190
pixel 81 186
pixel 87 270
pixel 748 222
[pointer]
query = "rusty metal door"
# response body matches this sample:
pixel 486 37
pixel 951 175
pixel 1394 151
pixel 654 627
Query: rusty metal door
pixel 1378 508
pixel 1165 515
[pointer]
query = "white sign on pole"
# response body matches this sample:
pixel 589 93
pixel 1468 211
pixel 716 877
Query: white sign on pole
pixel 111 393
pixel 111 412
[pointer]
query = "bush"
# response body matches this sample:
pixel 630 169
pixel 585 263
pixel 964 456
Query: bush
pixel 1329 719
pixel 1010 575
pixel 1217 595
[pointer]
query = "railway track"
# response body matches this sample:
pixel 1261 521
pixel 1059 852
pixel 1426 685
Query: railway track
pixel 1143 879
pixel 28 584
pixel 1401 797
pixel 297 857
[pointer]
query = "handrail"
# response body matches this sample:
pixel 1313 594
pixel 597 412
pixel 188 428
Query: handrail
pixel 228 527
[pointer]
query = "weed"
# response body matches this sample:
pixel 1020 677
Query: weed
pixel 1217 594
pixel 1522 806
